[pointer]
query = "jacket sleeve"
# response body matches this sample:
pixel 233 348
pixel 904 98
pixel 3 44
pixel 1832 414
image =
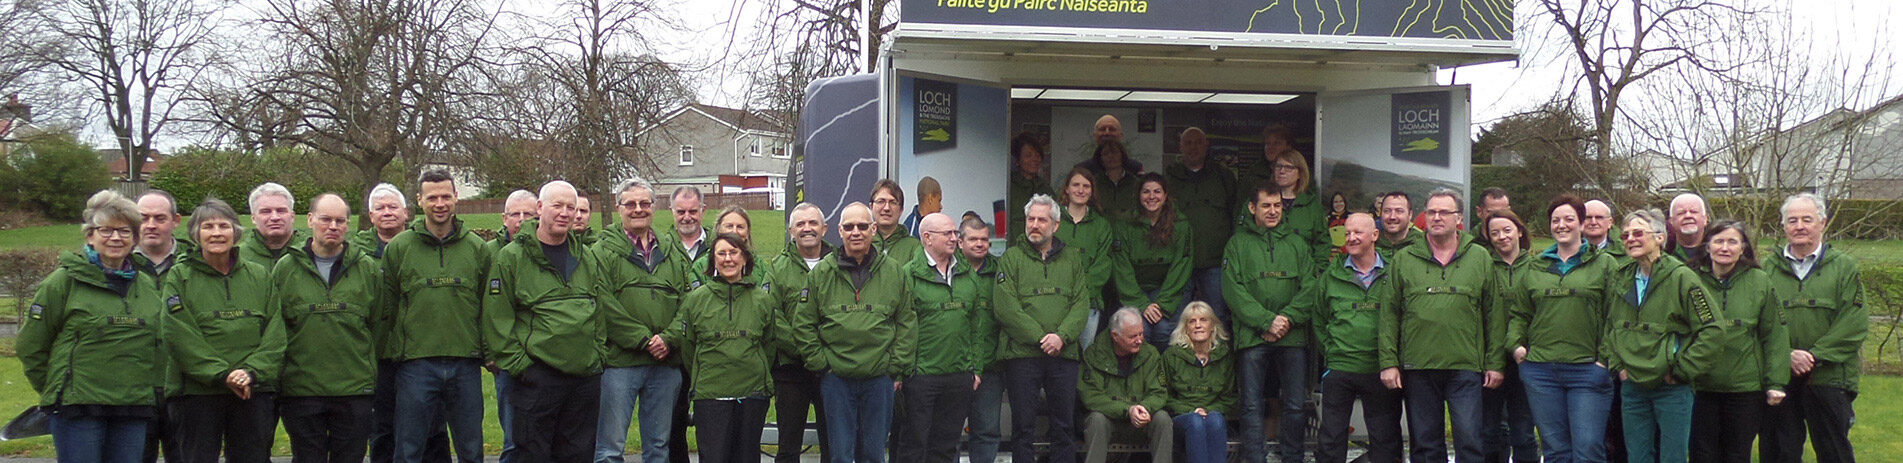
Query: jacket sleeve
pixel 1301 307
pixel 1315 293
pixel 1388 344
pixel 806 321
pixel 1774 342
pixel 194 357
pixel 1071 328
pixel 678 335
pixel 1096 397
pixel 1155 395
pixel 1170 295
pixel 1519 312
pixel 1006 304
pixel 905 320
pixel 1841 342
pixel 45 319
pixel 1609 302
pixel 1494 311
pixel 981 326
pixel 499 307
pixel 266 362
pixel 1235 290
pixel 1703 346
pixel 623 331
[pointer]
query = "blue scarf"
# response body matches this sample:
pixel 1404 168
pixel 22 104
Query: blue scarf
pixel 125 271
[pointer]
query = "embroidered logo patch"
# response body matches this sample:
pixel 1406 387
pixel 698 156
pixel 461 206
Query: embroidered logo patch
pixel 693 286
pixel 804 292
pixel 173 303
pixel 495 286
pixel 1702 306
pixel 1000 276
pixel 35 310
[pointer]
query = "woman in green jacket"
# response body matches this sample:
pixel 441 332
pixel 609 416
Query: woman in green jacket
pixel 1555 321
pixel 1086 229
pixel 1153 260
pixel 727 329
pixel 1506 235
pixel 1661 334
pixel 1201 378
pixel 90 344
pixel 223 333
pixel 1730 401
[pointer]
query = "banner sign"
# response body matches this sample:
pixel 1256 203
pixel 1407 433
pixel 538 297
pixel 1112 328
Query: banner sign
pixel 1420 129
pixel 935 123
pixel 1427 19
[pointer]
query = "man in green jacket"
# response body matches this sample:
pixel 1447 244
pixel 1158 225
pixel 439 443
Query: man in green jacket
pixel 1397 226
pixel 389 213
pixel 544 310
pixel 1206 193
pixel 272 225
pixel 1446 328
pixel 855 324
pixel 159 244
pixel 892 239
pixel 795 388
pixel 434 273
pixel 1348 303
pixel 1822 291
pixel 649 281
pixel 328 294
pixel 1264 267
pixel 1597 229
pixel 1122 387
pixel 949 299
pixel 1040 303
pixel 519 207
pixel 987 405
pixel 689 238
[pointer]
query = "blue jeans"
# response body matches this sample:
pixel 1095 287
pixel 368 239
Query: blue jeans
pixel 1205 284
pixel 655 387
pixel 505 416
pixel 1570 402
pixel 1431 393
pixel 430 391
pixel 986 418
pixel 98 439
pixel 1205 438
pixel 1158 334
pixel 858 416
pixel 1290 365
pixel 1658 422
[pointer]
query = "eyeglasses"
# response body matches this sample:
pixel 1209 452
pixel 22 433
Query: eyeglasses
pixel 1434 213
pixel 638 205
pixel 114 232
pixel 1634 234
pixel 520 215
pixel 885 202
pixel 948 233
pixel 1286 167
pixel 855 226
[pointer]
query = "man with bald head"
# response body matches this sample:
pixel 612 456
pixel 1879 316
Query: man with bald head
pixel 855 325
pixel 948 297
pixel 1352 290
pixel 1687 228
pixel 1107 129
pixel 1597 228
pixel 795 387
pixel 1205 192
pixel 548 284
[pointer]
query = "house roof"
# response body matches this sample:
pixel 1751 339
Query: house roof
pixel 739 119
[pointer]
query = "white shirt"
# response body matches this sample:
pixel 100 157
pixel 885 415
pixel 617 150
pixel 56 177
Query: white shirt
pixel 946 273
pixel 1803 265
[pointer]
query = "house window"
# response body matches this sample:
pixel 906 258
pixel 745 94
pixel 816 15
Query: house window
pixel 687 155
pixel 779 151
pixel 754 149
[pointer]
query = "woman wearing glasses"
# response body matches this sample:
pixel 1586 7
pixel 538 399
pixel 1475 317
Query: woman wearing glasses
pixel 1303 211
pixel 90 343
pixel 1664 332
pixel 1556 317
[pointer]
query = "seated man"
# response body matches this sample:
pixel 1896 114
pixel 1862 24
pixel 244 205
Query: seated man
pixel 1122 386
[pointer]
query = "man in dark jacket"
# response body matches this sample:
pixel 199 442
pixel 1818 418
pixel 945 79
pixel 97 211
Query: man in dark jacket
pixel 434 272
pixel 1122 386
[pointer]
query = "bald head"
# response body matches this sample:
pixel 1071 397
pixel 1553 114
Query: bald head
pixel 855 229
pixel 1596 226
pixel 939 235
pixel 329 220
pixel 1108 129
pixel 1360 235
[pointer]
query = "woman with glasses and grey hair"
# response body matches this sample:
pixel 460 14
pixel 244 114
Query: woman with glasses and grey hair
pixel 1662 333
pixel 90 342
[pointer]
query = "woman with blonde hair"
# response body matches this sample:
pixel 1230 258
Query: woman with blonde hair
pixel 1201 378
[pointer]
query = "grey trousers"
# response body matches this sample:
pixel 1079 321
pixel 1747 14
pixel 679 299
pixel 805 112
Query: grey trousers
pixel 1099 430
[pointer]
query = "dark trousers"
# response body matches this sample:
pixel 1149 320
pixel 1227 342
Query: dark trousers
pixel 1042 386
pixel 555 415
pixel 383 434
pixel 730 429
pixel 159 431
pixel 1508 422
pixel 203 425
pixel 1824 410
pixel 677 437
pixel 1262 370
pixel 1380 408
pixel 327 429
pixel 1724 424
pixel 934 417
pixel 1430 393
pixel 1615 427
pixel 795 389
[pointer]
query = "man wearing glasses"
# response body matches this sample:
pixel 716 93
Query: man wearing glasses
pixel 892 239
pixel 649 280
pixel 1597 228
pixel 855 325
pixel 1442 339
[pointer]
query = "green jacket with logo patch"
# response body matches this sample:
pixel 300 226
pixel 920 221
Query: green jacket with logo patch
pixel 1825 314
pixel 1208 199
pixel 1347 317
pixel 1674 331
pixel 856 329
pixel 367 242
pixel 1444 317
pixel 1388 248
pixel 1093 239
pixel 1195 384
pixel 728 333
pixel 436 293
pixel 85 343
pixel 1105 389
pixel 219 323
pixel 1559 318
pixel 785 278
pixel 948 317
pixel 252 249
pixel 329 326
pixel 533 314
pixel 1143 267
pixel 1263 271
pixel 649 296
pixel 1757 345
pixel 1036 296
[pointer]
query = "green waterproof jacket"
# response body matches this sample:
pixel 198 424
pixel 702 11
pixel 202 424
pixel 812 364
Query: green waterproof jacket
pixel 1262 273
pixel 728 332
pixel 1118 200
pixel 785 277
pixel 367 242
pixel 436 293
pixel 1388 248
pixel 93 339
pixel 649 296
pixel 1559 318
pixel 672 238
pixel 1756 352
pixel 532 314
pixel 328 326
pixel 1208 199
pixel 985 329
pixel 900 246
pixel 221 322
pixel 1195 384
pixel 948 317
pixel 1038 295
pixel 1826 315
pixel 1105 388
pixel 856 319
pixel 1143 267
pixel 1672 330
pixel 1444 317
pixel 1093 238
pixel 252 248
pixel 1347 316
pixel 1020 192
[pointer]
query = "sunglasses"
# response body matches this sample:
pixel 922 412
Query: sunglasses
pixel 1634 233
pixel 855 226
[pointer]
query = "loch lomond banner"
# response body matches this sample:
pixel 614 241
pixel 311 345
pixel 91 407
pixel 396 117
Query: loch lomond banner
pixel 1422 19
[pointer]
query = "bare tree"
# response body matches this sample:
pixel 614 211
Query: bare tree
pixel 134 57
pixel 27 42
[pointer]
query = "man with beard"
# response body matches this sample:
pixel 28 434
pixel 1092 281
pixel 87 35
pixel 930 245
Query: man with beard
pixel 1040 305
pixel 1688 220
pixel 1397 227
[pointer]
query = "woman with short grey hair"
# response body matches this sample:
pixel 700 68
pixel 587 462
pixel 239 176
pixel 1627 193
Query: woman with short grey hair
pixel 227 342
